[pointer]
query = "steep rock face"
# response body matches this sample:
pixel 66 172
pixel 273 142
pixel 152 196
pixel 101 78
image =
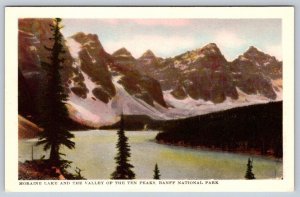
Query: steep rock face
pixel 265 63
pixel 123 57
pixel 254 71
pixel 144 88
pixel 138 85
pixel 100 86
pixel 200 74
pixel 33 37
pixel 205 74
pixel 148 63
pixel 111 85
pixel 29 71
pixel 28 52
pixel 94 63
pixel 151 65
pixel 99 67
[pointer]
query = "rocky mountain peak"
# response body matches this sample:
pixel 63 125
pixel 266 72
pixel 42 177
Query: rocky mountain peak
pixel 253 51
pixel 122 52
pixel 90 41
pixel 82 36
pixel 86 38
pixel 210 46
pixel 257 55
pixel 210 49
pixel 100 84
pixel 148 54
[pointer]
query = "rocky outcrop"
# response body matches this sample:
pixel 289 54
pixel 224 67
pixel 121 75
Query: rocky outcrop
pixel 123 57
pixel 101 85
pixel 33 37
pixel 254 71
pixel 94 63
pixel 205 74
pixel 200 74
pixel 139 85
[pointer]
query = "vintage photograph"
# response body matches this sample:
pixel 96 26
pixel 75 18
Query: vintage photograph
pixel 150 99
pixel 135 98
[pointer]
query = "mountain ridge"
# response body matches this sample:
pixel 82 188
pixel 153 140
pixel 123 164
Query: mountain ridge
pixel 100 84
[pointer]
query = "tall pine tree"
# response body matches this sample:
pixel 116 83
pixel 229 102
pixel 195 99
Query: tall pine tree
pixel 54 112
pixel 156 172
pixel 123 168
pixel 249 174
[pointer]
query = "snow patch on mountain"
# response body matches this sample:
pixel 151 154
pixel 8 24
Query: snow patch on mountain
pixel 248 99
pixel 123 101
pixel 186 103
pixel 89 84
pixel 92 58
pixel 88 111
pixel 96 113
pixel 92 113
pixel 74 47
pixel 242 58
pixel 191 107
pixel 277 84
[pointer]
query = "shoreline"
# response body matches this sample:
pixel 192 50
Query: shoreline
pixel 199 147
pixel 205 148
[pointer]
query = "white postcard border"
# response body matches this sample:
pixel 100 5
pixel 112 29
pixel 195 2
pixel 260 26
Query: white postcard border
pixel 286 14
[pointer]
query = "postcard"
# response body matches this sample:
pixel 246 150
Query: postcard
pixel 181 99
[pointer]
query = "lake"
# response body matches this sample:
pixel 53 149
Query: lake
pixel 95 151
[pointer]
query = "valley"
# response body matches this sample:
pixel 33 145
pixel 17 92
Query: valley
pixel 196 114
pixel 101 85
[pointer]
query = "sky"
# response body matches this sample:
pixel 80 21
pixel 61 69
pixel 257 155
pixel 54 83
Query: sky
pixel 171 37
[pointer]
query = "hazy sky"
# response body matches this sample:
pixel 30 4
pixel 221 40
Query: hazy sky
pixel 171 37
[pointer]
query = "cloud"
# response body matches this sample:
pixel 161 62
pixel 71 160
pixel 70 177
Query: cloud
pixel 228 39
pixel 161 45
pixel 274 50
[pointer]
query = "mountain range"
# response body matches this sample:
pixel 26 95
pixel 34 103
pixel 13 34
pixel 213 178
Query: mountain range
pixel 102 85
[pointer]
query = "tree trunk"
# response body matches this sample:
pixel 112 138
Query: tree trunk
pixel 54 154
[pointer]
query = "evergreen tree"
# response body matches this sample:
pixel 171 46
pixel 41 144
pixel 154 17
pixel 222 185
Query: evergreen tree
pixel 123 169
pixel 249 173
pixel 53 110
pixel 156 172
